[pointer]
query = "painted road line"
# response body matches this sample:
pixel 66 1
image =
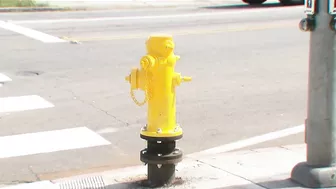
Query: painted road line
pixel 49 141
pixel 4 78
pixel 245 28
pixel 177 16
pixel 22 103
pixel 30 33
pixel 250 141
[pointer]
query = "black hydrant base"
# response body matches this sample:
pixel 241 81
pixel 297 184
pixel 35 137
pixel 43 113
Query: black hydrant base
pixel 172 158
pixel 161 155
pixel 160 175
pixel 174 138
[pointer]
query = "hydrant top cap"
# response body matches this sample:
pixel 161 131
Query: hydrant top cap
pixel 160 45
pixel 161 36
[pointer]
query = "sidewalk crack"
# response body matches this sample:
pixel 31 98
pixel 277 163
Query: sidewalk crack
pixel 97 108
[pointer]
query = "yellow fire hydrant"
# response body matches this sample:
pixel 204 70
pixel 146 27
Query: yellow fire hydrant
pixel 158 79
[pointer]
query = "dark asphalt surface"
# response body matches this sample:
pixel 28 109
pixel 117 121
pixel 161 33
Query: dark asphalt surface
pixel 249 78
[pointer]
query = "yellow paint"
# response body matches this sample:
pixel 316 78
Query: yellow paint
pixel 157 77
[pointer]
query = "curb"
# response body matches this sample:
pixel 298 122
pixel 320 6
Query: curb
pixel 194 172
pixel 31 9
pixel 142 4
pixel 92 8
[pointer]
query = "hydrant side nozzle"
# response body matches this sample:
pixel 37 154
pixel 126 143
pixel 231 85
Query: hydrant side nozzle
pixel 128 78
pixel 186 79
pixel 132 78
pixel 178 79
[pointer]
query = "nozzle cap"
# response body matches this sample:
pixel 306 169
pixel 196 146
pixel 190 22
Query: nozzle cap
pixel 128 78
pixel 186 79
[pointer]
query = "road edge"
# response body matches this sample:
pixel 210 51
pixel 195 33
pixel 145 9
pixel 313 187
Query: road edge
pixel 143 4
pixel 32 9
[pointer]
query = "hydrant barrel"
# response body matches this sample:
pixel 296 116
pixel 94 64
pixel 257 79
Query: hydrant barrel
pixel 161 105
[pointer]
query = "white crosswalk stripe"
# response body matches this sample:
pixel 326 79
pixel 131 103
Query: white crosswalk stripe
pixel 46 38
pixel 10 104
pixel 35 143
pixel 23 103
pixel 49 141
pixel 3 79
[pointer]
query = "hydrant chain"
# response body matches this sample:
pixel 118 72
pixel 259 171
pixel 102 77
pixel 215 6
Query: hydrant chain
pixel 146 96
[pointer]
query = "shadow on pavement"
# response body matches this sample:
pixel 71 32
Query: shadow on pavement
pixel 245 6
pixel 123 186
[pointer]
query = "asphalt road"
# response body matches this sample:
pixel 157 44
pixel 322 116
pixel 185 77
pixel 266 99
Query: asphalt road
pixel 249 74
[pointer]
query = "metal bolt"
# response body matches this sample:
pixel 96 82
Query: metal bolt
pixel 306 24
pixel 159 130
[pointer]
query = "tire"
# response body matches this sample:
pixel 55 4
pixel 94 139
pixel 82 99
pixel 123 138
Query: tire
pixel 291 2
pixel 254 2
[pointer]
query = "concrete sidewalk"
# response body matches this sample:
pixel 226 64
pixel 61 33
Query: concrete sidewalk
pixel 250 169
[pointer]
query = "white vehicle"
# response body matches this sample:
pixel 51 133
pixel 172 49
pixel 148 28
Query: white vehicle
pixel 284 2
